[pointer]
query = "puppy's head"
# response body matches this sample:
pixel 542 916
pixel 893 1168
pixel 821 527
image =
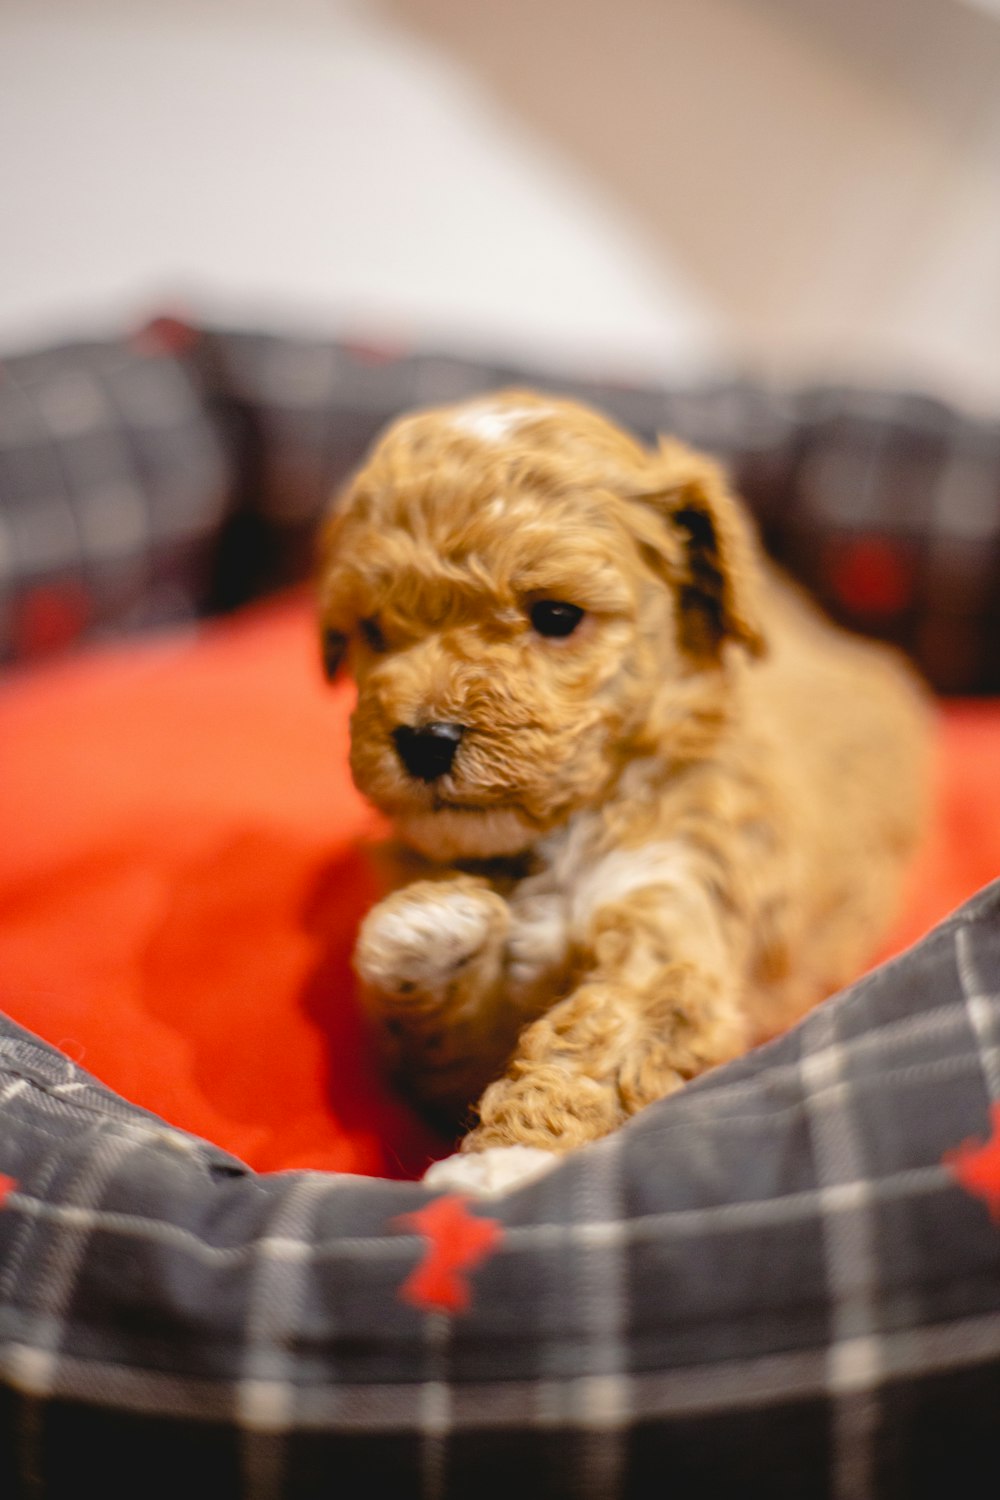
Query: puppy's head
pixel 528 600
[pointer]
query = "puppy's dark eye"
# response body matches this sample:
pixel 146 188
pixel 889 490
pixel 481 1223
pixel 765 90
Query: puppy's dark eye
pixel 553 617
pixel 372 632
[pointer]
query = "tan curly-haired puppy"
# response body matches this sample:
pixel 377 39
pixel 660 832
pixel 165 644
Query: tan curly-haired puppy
pixel 659 806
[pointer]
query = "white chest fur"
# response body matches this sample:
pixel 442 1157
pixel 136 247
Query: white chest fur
pixel 553 910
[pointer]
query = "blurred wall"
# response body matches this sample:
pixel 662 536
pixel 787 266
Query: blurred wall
pixel 808 186
pixel 826 172
pixel 305 164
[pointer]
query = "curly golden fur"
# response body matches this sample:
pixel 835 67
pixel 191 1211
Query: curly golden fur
pixel 654 827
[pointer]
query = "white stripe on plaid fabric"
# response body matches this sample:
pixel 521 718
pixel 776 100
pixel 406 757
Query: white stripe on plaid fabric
pixel 965 497
pixel 854 1363
pixel 596 1405
pixel 54 1273
pixel 12 1089
pixel 720 1218
pixel 602 1402
pixel 735 1385
pixel 109 458
pixel 53 1277
pixel 72 402
pixel 265 1404
pixel 113 520
pixel 918 1030
pixel 434 1407
pixel 22 1237
pixel 838 480
pixel 983 1011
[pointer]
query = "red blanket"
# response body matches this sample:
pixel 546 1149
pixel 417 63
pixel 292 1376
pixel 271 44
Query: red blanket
pixel 182 869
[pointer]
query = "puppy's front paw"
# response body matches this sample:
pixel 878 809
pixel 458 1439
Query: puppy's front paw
pixel 430 957
pixel 486 1174
pixel 431 943
pixel 548 1108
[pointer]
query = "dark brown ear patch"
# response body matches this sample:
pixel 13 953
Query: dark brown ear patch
pixel 698 526
pixel 334 646
pixel 713 562
pixel 704 614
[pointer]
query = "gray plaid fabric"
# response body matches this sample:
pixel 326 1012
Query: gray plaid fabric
pixel 114 485
pixel 770 1284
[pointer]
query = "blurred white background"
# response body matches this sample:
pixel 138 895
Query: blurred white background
pixel 807 187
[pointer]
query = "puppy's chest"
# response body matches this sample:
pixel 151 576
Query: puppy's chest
pixel 579 875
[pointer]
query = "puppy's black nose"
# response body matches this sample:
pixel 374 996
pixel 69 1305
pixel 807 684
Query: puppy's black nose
pixel 428 752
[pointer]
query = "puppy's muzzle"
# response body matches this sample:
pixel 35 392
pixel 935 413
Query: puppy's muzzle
pixel 428 752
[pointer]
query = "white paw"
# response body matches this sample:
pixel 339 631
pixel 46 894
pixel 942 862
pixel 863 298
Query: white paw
pixel 421 938
pixel 488 1173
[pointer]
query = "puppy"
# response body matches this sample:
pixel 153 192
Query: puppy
pixel 657 805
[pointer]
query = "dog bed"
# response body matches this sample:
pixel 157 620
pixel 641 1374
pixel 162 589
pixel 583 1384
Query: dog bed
pixel 218 1275
pixel 784 1280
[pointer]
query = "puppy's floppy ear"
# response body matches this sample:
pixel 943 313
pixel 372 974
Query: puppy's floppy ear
pixel 333 645
pixel 333 638
pixel 712 557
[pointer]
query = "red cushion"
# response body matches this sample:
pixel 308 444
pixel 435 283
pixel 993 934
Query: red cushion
pixel 182 869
